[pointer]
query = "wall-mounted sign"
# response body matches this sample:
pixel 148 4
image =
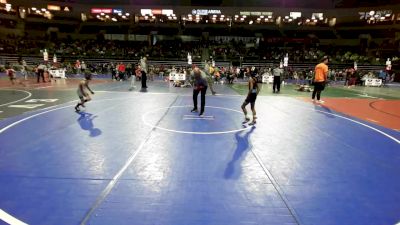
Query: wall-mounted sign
pixel 379 15
pixel 101 10
pixel 58 8
pixel 54 7
pixel 205 12
pixel 156 11
pixel 317 16
pixel 295 15
pixel 166 12
pixel 145 12
pixel 245 13
pixel 117 11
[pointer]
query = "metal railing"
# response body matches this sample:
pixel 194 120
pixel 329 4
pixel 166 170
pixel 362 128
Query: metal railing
pixel 35 60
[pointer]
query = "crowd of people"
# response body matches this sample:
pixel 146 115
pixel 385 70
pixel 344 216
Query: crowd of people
pixel 233 50
pixel 121 71
pixel 119 57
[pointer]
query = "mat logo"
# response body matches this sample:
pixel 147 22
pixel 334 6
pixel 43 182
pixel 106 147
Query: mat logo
pixel 32 106
pixel 42 100
pixel 26 106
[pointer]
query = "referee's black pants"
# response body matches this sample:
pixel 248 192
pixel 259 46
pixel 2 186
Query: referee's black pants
pixel 40 74
pixel 144 79
pixel 277 84
pixel 196 92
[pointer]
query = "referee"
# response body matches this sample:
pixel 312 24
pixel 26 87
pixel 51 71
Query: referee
pixel 200 86
pixel 277 72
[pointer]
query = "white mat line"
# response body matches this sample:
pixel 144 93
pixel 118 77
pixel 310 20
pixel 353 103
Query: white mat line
pixel 10 219
pixel 198 118
pixel 195 116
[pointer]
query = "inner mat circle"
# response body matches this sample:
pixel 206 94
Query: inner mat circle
pixel 179 119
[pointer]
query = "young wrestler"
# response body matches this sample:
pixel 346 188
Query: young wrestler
pixel 83 95
pixel 12 76
pixel 251 98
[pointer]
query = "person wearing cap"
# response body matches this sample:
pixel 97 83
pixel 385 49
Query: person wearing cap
pixel 82 94
pixel 200 85
pixel 320 78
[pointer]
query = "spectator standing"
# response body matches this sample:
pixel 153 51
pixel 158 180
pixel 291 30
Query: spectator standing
pixel 321 74
pixel 121 71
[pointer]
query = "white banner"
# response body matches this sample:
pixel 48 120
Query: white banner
pixel 57 73
pixel 177 76
pixel 267 79
pixel 45 56
pixel 373 82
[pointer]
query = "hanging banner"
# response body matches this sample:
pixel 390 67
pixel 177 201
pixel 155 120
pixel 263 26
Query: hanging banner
pixel 45 55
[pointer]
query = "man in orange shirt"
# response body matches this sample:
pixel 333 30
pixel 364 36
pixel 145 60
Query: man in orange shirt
pixel 320 78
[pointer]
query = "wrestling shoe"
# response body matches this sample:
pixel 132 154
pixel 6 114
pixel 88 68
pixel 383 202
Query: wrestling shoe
pixel 246 120
pixel 252 123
